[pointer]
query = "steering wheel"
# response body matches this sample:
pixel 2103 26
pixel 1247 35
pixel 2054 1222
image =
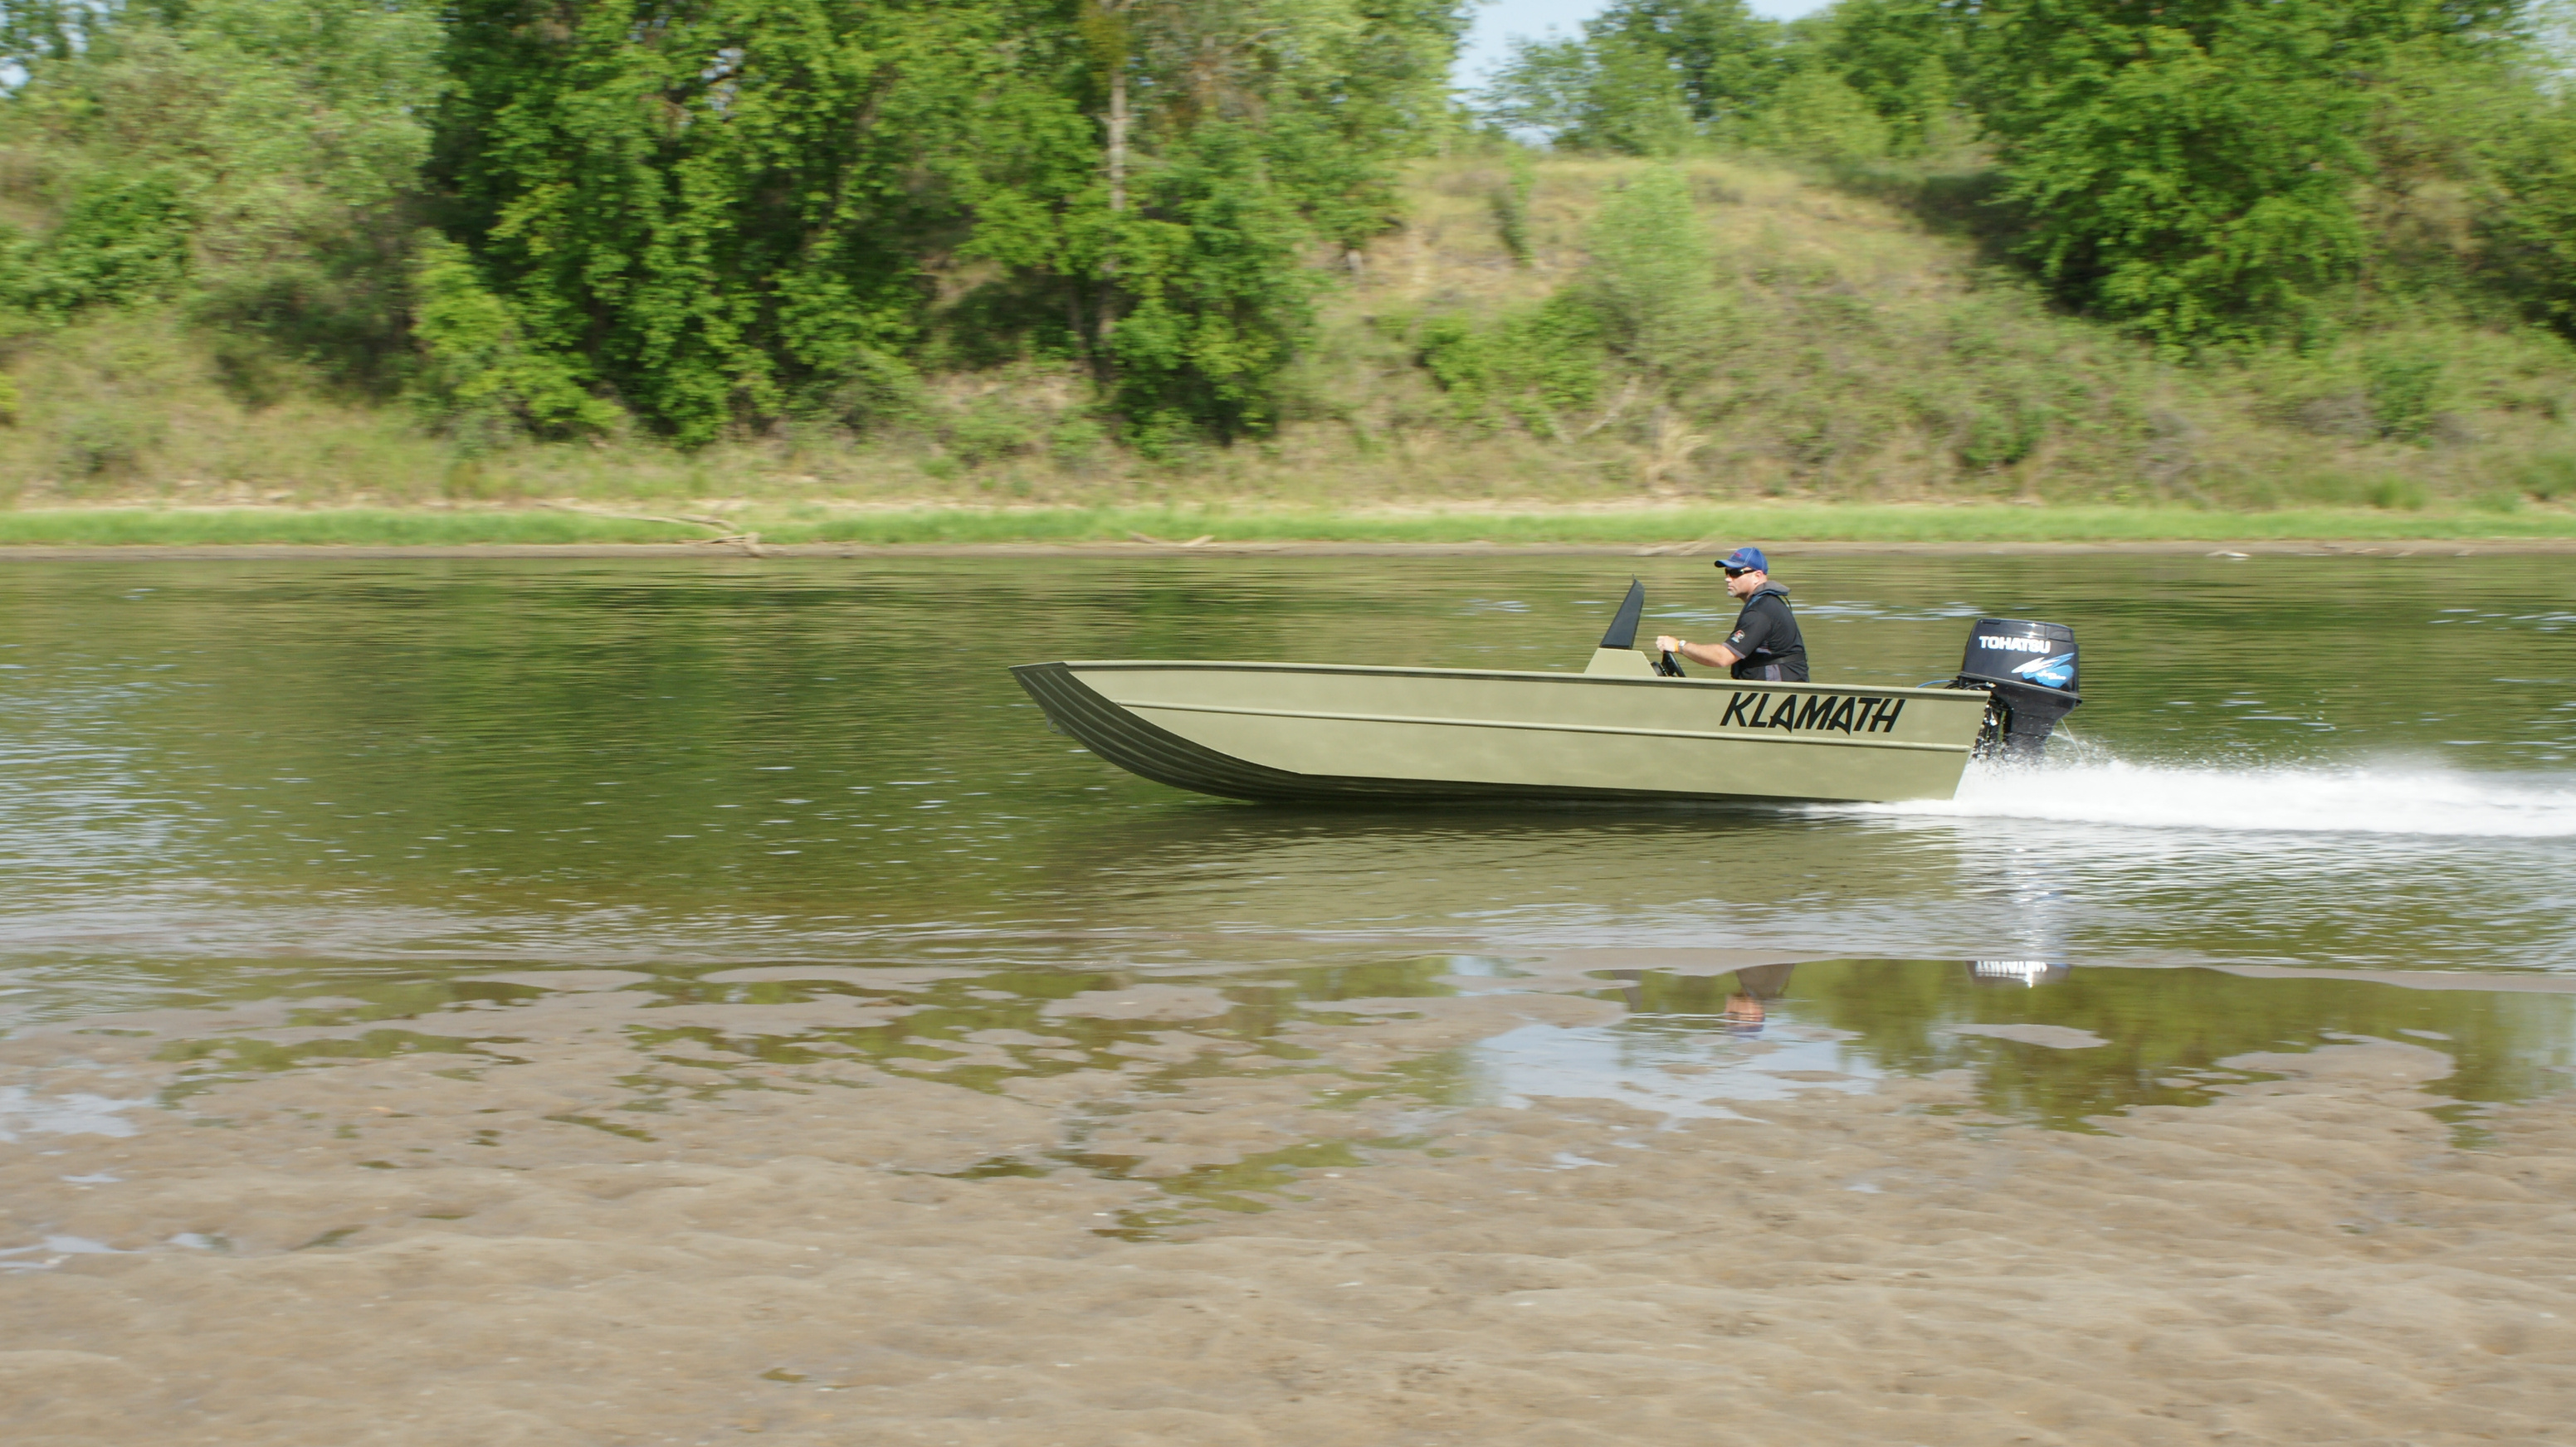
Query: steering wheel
pixel 1668 666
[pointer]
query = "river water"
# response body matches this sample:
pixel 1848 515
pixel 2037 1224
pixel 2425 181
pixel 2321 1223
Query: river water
pixel 370 785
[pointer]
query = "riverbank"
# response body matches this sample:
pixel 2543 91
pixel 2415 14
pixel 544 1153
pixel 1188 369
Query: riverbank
pixel 936 527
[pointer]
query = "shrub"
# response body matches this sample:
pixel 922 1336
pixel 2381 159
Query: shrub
pixel 105 443
pixel 2402 387
pixel 991 428
pixel 1220 302
pixel 1654 282
pixel 2549 476
pixel 1815 116
pixel 2000 434
pixel 1510 201
pixel 2397 494
pixel 1077 442
pixel 480 381
pixel 121 240
pixel 1534 363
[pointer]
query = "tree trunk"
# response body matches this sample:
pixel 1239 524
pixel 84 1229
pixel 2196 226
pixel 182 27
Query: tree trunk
pixel 1118 139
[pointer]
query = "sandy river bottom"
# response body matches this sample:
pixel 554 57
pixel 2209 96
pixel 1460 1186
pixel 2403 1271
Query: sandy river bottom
pixel 408 1251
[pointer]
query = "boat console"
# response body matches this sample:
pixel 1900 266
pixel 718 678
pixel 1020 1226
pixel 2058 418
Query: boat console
pixel 2025 668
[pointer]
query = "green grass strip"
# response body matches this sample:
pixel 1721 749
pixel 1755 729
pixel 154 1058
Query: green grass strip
pixel 1820 523
pixel 347 527
pixel 1783 523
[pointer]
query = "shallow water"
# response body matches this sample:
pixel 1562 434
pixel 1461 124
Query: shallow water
pixel 364 784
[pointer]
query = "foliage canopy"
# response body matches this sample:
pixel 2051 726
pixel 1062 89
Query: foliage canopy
pixel 702 219
pixel 716 215
pixel 2204 171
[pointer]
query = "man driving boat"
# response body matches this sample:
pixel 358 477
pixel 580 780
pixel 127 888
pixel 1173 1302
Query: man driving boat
pixel 1765 644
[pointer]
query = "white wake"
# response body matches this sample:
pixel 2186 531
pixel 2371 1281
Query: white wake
pixel 2369 799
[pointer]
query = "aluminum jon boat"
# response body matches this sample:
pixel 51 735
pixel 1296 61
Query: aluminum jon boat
pixel 1627 729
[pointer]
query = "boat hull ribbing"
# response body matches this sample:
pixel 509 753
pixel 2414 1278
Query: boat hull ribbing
pixel 1394 735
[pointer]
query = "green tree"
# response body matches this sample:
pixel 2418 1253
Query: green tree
pixel 727 211
pixel 1724 59
pixel 261 149
pixel 1817 116
pixel 481 382
pixel 118 239
pixel 1214 297
pixel 1261 128
pixel 1647 78
pixel 2189 166
pixel 713 211
pixel 2529 225
pixel 1908 60
pixel 2526 169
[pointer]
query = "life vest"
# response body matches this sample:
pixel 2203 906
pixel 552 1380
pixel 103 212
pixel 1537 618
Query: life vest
pixel 1777 658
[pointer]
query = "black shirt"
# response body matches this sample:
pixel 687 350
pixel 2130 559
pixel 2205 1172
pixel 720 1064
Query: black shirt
pixel 1766 641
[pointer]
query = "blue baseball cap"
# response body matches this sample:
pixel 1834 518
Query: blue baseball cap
pixel 1745 558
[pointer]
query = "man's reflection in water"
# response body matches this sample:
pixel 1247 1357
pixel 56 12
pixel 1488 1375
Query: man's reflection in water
pixel 1756 986
pixel 1685 996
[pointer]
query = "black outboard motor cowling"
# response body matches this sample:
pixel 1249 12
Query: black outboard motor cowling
pixel 2028 670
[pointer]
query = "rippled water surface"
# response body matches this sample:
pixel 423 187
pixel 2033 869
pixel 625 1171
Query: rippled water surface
pixel 229 781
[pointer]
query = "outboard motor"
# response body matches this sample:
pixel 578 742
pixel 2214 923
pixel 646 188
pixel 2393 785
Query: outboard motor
pixel 2028 672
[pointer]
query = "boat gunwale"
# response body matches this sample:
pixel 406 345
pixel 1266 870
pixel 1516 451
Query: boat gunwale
pixel 1130 739
pixel 1750 736
pixel 1962 695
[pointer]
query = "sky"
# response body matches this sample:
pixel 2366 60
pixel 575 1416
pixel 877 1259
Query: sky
pixel 1500 20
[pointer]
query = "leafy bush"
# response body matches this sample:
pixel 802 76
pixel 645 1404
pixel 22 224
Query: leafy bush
pixel 2398 494
pixel 2550 476
pixel 1999 434
pixel 1654 281
pixel 480 379
pixel 1536 363
pixel 2403 384
pixel 1815 115
pixel 106 441
pixel 2528 226
pixel 2186 168
pixel 1219 298
pixel 990 428
pixel 251 155
pixel 121 239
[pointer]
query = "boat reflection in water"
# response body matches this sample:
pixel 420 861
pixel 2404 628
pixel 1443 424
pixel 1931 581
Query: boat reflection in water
pixel 2044 1043
pixel 2016 972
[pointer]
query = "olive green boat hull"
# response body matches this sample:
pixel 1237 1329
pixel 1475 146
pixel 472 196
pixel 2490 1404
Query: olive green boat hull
pixel 1280 731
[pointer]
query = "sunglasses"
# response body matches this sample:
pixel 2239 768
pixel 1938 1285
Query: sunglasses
pixel 1737 572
